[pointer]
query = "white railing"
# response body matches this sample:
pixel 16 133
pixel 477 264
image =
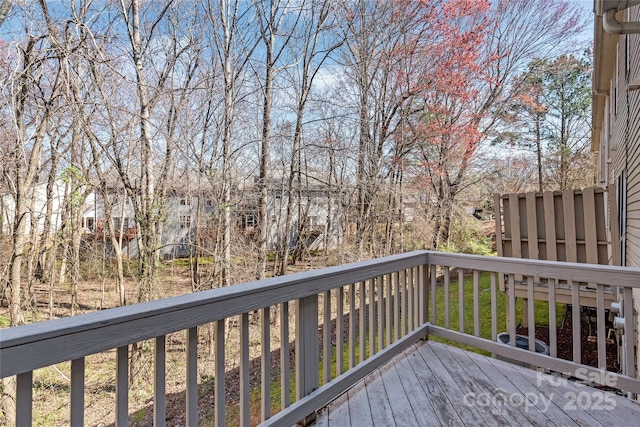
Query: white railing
pixel 390 303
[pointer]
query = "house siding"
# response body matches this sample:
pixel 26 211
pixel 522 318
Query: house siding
pixel 619 148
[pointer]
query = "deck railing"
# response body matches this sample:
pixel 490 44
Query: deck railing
pixel 352 318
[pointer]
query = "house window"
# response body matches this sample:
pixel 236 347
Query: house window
pixel 250 220
pixel 185 221
pixel 89 223
pixel 185 202
pixel 117 222
pixel 208 203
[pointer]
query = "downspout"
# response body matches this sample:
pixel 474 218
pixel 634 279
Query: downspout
pixel 612 26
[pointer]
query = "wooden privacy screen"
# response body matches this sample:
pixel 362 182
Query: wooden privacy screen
pixel 566 225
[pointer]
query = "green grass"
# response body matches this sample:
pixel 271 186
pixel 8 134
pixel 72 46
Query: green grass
pixel 541 308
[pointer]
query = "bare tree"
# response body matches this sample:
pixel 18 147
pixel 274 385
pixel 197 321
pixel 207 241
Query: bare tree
pixel 277 20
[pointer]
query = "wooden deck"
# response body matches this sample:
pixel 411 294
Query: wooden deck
pixel 433 384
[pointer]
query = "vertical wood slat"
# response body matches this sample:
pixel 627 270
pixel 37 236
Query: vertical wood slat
pixel 552 255
pixel 628 347
pixel 77 392
pixel 516 238
pixel 340 331
pixel 494 307
pixel 159 382
pixel 388 312
pixel 219 380
pixel 550 225
pixel 24 399
pixel 191 398
pixel 363 313
pixel 575 323
pixel 352 325
pixel 285 388
pixel 613 225
pixel 569 215
pixel 326 338
pixel 434 273
pixel 403 302
pixel 460 300
pixel 424 293
pixel 476 303
pixel 601 333
pixel 532 226
pixel 245 418
pixel 416 297
pixel 531 314
pixel 511 311
pixel 498 221
pixel 409 288
pixel 122 386
pixel 372 316
pixel 379 281
pixel 590 227
pixel 446 297
pixel 396 306
pixel 265 363
pixel 307 355
pixel 553 331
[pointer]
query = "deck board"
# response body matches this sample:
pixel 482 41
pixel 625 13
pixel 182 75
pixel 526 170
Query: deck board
pixel 433 384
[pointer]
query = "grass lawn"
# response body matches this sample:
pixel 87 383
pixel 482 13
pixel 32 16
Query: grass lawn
pixel 541 307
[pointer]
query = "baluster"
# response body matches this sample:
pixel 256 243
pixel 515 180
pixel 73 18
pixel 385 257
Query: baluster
pixel 396 306
pixel 476 303
pixel 285 388
pixel 219 382
pixel 265 364
pixel 24 398
pixel 340 331
pixel 77 392
pixel 244 370
pixel 460 300
pixel 159 394
pixel 531 311
pixel 575 324
pixel 192 377
pixel 446 297
pixel 122 386
pixel 494 307
pixel 326 339
pixel 352 325
pixel 379 283
pixel 403 302
pixel 553 331
pixel 362 317
pixel 388 313
pixel 434 275
pixel 372 316
pixel 601 333
pixel 511 310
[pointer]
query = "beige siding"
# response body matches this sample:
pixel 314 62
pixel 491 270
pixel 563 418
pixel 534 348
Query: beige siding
pixel 620 140
pixel 633 158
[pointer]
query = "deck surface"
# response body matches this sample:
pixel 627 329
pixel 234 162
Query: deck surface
pixel 433 384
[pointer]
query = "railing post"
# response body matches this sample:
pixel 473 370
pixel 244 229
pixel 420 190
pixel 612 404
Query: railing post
pixel 307 357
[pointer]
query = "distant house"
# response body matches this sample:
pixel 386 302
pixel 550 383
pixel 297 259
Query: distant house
pixel 37 211
pixel 189 219
pixel 616 120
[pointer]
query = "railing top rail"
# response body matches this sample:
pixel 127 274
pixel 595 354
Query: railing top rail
pixel 29 347
pixel 579 272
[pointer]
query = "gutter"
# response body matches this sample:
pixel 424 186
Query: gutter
pixel 609 22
